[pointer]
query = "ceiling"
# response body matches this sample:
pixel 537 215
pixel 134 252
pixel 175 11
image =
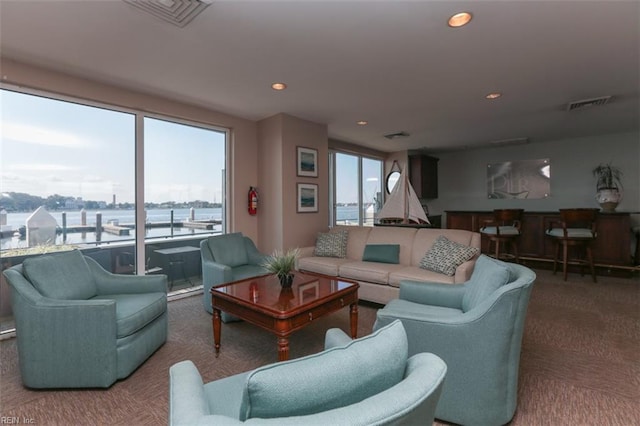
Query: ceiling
pixel 395 64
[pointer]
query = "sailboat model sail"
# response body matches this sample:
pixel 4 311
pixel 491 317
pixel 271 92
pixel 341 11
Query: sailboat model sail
pixel 403 203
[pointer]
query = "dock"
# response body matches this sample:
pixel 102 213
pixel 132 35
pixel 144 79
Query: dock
pixel 115 229
pixel 209 224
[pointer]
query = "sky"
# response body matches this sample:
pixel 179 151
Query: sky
pixel 54 147
pixel 48 146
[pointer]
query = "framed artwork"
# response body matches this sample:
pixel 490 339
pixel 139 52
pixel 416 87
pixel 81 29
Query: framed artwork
pixel 307 198
pixel 519 179
pixel 307 162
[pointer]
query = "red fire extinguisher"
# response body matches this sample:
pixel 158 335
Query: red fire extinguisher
pixel 253 201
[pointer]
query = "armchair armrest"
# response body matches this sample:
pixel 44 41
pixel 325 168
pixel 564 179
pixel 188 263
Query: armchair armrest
pixel 215 273
pixel 432 293
pixel 336 337
pixel 108 283
pixel 187 402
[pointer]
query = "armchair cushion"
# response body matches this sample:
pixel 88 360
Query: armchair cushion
pixel 446 255
pixel 229 249
pixel 61 276
pixel 341 376
pixel 384 253
pixel 135 311
pixel 488 275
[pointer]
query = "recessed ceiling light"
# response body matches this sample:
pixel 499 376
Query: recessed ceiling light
pixel 362 122
pixel 460 19
pixel 278 86
pixel 493 95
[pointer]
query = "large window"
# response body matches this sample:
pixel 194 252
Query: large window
pixel 184 178
pixel 356 190
pixel 76 164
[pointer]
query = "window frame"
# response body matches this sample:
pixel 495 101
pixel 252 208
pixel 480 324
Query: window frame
pixel 139 115
pixel 333 203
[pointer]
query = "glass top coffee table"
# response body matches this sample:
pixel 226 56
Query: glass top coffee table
pixel 263 302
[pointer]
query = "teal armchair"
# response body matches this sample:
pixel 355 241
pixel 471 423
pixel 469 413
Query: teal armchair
pixel 80 326
pixel 227 258
pixel 368 381
pixel 476 328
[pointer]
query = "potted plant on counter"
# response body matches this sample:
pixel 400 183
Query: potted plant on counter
pixel 608 186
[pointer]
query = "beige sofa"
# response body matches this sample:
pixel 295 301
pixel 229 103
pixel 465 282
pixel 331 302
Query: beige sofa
pixel 379 282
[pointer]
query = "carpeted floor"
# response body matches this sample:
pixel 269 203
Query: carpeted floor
pixel 580 362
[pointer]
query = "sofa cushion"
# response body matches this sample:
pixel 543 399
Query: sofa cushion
pixel 61 275
pixel 384 253
pixel 373 272
pixel 229 249
pixel 341 376
pixel 488 275
pixel 331 244
pixel 135 311
pixel 446 255
pixel 413 273
pixel 321 265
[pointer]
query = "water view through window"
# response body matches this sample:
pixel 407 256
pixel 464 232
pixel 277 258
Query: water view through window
pixel 77 163
pixel 357 196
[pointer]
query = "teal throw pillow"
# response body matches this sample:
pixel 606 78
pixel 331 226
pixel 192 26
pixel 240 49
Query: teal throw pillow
pixel 384 253
pixel 331 244
pixel 334 378
pixel 229 249
pixel 488 276
pixel 61 275
pixel 445 256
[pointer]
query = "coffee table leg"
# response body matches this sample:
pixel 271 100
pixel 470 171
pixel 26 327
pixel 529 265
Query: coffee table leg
pixel 354 320
pixel 283 348
pixel 216 330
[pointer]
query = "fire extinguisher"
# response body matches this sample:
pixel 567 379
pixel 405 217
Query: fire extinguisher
pixel 253 201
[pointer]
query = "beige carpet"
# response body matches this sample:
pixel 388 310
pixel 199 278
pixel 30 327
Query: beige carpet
pixel 580 361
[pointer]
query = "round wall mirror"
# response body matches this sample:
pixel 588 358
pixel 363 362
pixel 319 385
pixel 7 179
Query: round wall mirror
pixel 392 179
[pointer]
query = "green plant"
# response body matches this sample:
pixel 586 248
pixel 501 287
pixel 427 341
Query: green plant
pixel 281 263
pixel 607 176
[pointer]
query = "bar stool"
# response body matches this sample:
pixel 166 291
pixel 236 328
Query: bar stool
pixel 504 228
pixel 577 228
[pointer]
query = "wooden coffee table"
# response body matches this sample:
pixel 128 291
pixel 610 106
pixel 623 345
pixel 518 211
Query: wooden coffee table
pixel 262 301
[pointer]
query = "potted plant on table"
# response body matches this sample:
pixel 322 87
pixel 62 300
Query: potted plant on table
pixel 282 264
pixel 608 186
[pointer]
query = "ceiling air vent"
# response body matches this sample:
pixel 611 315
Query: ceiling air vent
pixel 588 103
pixel 177 12
pixel 397 135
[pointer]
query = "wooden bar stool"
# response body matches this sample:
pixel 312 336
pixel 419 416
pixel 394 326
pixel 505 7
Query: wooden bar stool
pixel 577 228
pixel 504 228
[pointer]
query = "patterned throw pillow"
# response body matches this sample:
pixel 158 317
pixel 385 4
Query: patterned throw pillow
pixel 446 255
pixel 332 244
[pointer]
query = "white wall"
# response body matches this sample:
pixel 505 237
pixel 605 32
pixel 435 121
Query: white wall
pixel 462 175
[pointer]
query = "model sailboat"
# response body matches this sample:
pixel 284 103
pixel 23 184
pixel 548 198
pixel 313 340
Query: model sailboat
pixel 403 204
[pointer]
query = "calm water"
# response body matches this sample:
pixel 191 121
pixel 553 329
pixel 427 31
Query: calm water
pixel 345 214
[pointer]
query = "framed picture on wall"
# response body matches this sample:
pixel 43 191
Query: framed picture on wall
pixel 307 162
pixel 307 198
